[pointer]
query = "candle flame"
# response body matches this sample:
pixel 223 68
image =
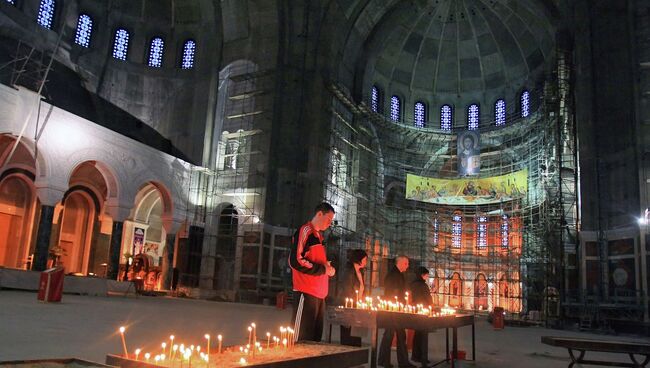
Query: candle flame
pixel 122 329
pixel 207 336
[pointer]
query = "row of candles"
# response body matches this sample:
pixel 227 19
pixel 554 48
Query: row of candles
pixel 170 353
pixel 369 303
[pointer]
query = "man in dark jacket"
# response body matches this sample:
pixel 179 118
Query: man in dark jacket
pixel 395 286
pixel 421 295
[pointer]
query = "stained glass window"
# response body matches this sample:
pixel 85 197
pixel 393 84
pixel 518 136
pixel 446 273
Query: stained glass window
pixel 121 44
pixel 374 99
pixel 500 112
pixel 84 30
pixel 419 114
pixel 395 108
pixel 445 117
pixel 505 231
pixel 472 117
pixel 481 238
pixel 525 104
pixel 189 48
pixel 46 13
pixel 456 231
pixel 156 52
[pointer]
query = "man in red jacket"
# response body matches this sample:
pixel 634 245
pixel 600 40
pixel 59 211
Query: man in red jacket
pixel 310 272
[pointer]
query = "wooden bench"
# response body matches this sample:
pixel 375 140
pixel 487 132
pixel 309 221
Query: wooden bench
pixel 582 346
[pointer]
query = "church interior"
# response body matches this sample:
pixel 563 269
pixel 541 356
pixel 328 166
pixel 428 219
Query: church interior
pixel 501 144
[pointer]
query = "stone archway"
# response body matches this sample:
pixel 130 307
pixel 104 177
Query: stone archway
pixel 456 291
pixel 17 202
pixel 78 217
pixel 480 292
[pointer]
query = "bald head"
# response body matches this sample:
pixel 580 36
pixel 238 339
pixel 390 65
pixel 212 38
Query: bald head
pixel 402 263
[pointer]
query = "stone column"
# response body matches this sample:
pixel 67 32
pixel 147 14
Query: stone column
pixel 114 250
pixel 43 238
pixel 168 261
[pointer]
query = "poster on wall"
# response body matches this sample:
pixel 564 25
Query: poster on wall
pixel 467 191
pixel 469 153
pixel 153 249
pixel 138 240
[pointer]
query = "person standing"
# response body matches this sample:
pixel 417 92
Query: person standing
pixel 310 272
pixel 395 286
pixel 421 294
pixel 352 285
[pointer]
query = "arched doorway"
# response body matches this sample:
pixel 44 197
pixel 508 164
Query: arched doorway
pixel 75 234
pixel 456 291
pixel 16 213
pixel 226 248
pixel 480 292
pixel 145 239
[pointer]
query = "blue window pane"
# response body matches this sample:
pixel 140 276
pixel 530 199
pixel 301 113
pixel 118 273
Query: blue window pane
pixel 456 231
pixel 481 239
pixel 505 231
pixel 445 117
pixel 395 108
pixel 84 30
pixel 525 104
pixel 374 99
pixel 189 48
pixel 420 114
pixel 46 13
pixel 156 52
pixel 121 44
pixel 500 112
pixel 472 117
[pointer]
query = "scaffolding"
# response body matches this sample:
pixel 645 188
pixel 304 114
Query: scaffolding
pixel 515 264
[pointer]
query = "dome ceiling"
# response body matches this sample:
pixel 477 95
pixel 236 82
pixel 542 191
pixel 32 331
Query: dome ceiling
pixel 439 49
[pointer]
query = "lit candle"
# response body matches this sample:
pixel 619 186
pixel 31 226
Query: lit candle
pixel 164 346
pixel 162 357
pixel 147 356
pixel 174 349
pixel 126 352
pixel 137 354
pixel 268 339
pixel 219 338
pixel 242 361
pixel 254 335
pixel 208 338
pixel 171 343
pixel 357 295
pixel 406 297
pixel 284 342
pixel 157 358
pixel 250 334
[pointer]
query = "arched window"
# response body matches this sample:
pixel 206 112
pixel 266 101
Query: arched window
pixel 472 117
pixel 456 230
pixel 375 98
pixel 500 112
pixel 395 108
pixel 525 104
pixel 189 48
pixel 121 44
pixel 505 231
pixel 156 49
pixel 84 30
pixel 446 117
pixel 46 13
pixel 481 233
pixel 420 114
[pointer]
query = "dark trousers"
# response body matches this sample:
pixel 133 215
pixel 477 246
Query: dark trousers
pixel 347 338
pixel 420 347
pixel 308 313
pixel 384 349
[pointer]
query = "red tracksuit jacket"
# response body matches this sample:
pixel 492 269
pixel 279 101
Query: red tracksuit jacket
pixel 307 260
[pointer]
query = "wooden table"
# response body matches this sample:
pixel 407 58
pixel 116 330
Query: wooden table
pixel 604 346
pixel 374 320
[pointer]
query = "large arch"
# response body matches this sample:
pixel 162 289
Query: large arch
pixel 18 202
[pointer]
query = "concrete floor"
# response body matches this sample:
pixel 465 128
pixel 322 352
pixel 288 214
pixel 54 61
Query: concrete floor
pixel 86 327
